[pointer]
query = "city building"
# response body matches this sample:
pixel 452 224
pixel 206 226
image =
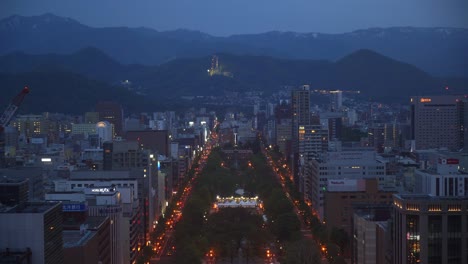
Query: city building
pixel 88 242
pixel 371 239
pixel 84 129
pixel 313 140
pixel 300 105
pixel 444 180
pixel 111 112
pixel 438 121
pixel 13 191
pixel 91 117
pixel 284 136
pixel 343 197
pixel 34 176
pixel 336 100
pixel 334 122
pixel 30 125
pixel 155 140
pixel 149 189
pixel 347 164
pixel 37 226
pixel 429 229
pixel 104 130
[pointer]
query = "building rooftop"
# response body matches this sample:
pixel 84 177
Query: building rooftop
pixel 94 175
pixel 12 180
pixel 76 238
pixel 31 208
pixel 374 213
pixel 92 222
pixel 422 197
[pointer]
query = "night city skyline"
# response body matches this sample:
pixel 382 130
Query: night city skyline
pixel 265 132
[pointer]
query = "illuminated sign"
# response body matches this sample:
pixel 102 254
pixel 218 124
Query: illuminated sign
pixel 46 160
pixel 100 190
pixel 449 161
pixel 337 182
pixel 101 124
pixel 74 207
pixel 425 100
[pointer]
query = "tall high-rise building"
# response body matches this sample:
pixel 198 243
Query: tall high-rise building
pixel 313 140
pixel 283 127
pixel 336 100
pixel 111 112
pixel 438 121
pixel 300 105
pixel 300 99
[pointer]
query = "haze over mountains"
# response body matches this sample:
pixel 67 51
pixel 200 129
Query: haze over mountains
pixel 438 51
pixel 72 60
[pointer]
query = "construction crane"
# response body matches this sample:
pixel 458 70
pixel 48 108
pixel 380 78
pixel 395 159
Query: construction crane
pixel 6 117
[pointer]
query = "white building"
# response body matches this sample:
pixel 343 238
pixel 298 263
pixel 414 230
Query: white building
pixel 445 180
pixel 342 165
pixel 118 199
pixel 105 131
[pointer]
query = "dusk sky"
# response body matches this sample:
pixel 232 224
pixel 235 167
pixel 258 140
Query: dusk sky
pixel 226 17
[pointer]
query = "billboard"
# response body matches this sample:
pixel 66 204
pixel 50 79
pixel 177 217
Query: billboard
pixel 81 207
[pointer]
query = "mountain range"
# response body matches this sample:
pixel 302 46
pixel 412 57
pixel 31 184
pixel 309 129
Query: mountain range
pixel 89 75
pixel 438 51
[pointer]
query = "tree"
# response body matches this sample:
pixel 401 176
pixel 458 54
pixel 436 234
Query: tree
pixel 302 252
pixel 340 238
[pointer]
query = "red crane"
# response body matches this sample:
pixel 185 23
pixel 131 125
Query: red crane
pixel 6 117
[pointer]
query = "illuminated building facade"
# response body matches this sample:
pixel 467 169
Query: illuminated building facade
pixel 428 229
pixel 104 130
pixel 300 105
pixel 313 140
pixel 438 121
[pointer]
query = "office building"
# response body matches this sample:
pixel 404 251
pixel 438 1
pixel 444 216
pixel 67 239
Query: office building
pixel 88 242
pixel 13 191
pixel 111 112
pixel 343 197
pixel 371 239
pixel 438 121
pixel 147 189
pixel 340 165
pixel 37 226
pixel 443 180
pixel 300 105
pixel 34 177
pixel 429 229
pixel 91 117
pixel 104 130
pixel 336 100
pixel 31 125
pixel 155 140
pixel 313 140
pixel 84 129
pixel 284 136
